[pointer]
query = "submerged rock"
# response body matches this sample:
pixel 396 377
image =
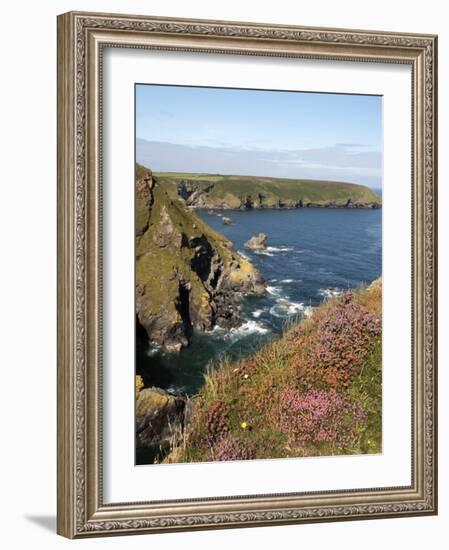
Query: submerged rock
pixel 257 242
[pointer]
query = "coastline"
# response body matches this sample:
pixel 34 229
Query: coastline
pixel 366 304
pixel 373 206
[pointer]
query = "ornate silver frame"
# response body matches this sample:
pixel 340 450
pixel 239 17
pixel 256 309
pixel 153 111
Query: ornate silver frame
pixel 81 39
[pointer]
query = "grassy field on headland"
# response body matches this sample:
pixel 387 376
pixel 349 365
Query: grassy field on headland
pixel 314 391
pixel 234 191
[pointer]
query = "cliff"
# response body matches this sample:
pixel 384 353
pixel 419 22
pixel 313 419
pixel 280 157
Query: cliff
pixel 187 275
pixel 317 390
pixel 160 415
pixel 247 192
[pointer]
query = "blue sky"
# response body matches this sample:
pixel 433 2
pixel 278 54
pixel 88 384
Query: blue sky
pixel 264 133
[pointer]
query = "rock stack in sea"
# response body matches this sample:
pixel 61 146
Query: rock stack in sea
pixel 257 242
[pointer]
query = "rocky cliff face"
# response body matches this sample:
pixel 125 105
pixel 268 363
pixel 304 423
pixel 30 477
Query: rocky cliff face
pixel 187 275
pixel 160 416
pixel 247 193
pixel 257 242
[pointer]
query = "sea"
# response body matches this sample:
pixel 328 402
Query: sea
pixel 313 254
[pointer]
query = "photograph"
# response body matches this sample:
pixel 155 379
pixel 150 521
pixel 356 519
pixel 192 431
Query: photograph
pixel 231 235
pixel 258 274
pixel 247 273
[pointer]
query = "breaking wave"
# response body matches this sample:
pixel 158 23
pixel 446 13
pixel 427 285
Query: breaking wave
pixel 272 250
pixel 263 253
pixel 249 327
pixel 274 290
pixel 243 255
pixel 153 350
pixel 257 313
pixel 332 292
pixel 285 308
pixel 279 249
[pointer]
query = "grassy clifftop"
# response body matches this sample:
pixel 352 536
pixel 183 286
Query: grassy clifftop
pixel 219 191
pixel 315 391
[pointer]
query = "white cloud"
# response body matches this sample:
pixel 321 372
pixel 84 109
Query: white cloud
pixel 350 162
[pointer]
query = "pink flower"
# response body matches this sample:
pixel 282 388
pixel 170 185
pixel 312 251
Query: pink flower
pixel 319 416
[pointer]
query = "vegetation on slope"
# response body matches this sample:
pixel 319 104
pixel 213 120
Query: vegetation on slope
pixel 314 391
pixel 219 191
pixel 187 275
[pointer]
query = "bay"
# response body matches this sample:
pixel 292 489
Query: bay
pixel 312 254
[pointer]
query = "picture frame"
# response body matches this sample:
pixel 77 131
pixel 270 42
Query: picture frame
pixel 82 40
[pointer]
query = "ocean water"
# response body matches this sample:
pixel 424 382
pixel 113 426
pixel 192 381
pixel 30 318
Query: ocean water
pixel 312 254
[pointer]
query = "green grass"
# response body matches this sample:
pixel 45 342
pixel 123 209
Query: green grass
pixel 367 389
pixel 253 391
pixel 226 187
pixel 155 265
pixel 160 268
pixel 142 171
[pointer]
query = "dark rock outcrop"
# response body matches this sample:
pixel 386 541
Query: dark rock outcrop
pixel 192 193
pixel 160 416
pixel 144 201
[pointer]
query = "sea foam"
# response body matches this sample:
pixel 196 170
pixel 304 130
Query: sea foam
pixel 332 292
pixel 249 327
pixel 274 290
pixel 257 313
pixel 279 249
pixel 285 308
pixel 153 350
pixel 243 254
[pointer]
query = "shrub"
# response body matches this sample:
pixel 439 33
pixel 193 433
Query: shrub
pixel 315 391
pixel 216 422
pixel 319 416
pixel 233 448
pixel 342 340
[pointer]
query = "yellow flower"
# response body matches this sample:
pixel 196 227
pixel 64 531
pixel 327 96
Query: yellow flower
pixel 243 425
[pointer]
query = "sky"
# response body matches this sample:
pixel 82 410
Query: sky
pixel 261 133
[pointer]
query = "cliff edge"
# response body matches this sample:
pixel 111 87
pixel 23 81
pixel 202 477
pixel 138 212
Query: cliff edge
pixel 187 275
pixel 228 192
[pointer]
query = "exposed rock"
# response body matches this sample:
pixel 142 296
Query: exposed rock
pixel 248 203
pixel 226 221
pixel 139 385
pixel 166 325
pixel 244 279
pixel 186 189
pixel 166 233
pixel 257 242
pixel 159 416
pixel 187 275
pixel 144 201
pixel 248 192
pixel 192 194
